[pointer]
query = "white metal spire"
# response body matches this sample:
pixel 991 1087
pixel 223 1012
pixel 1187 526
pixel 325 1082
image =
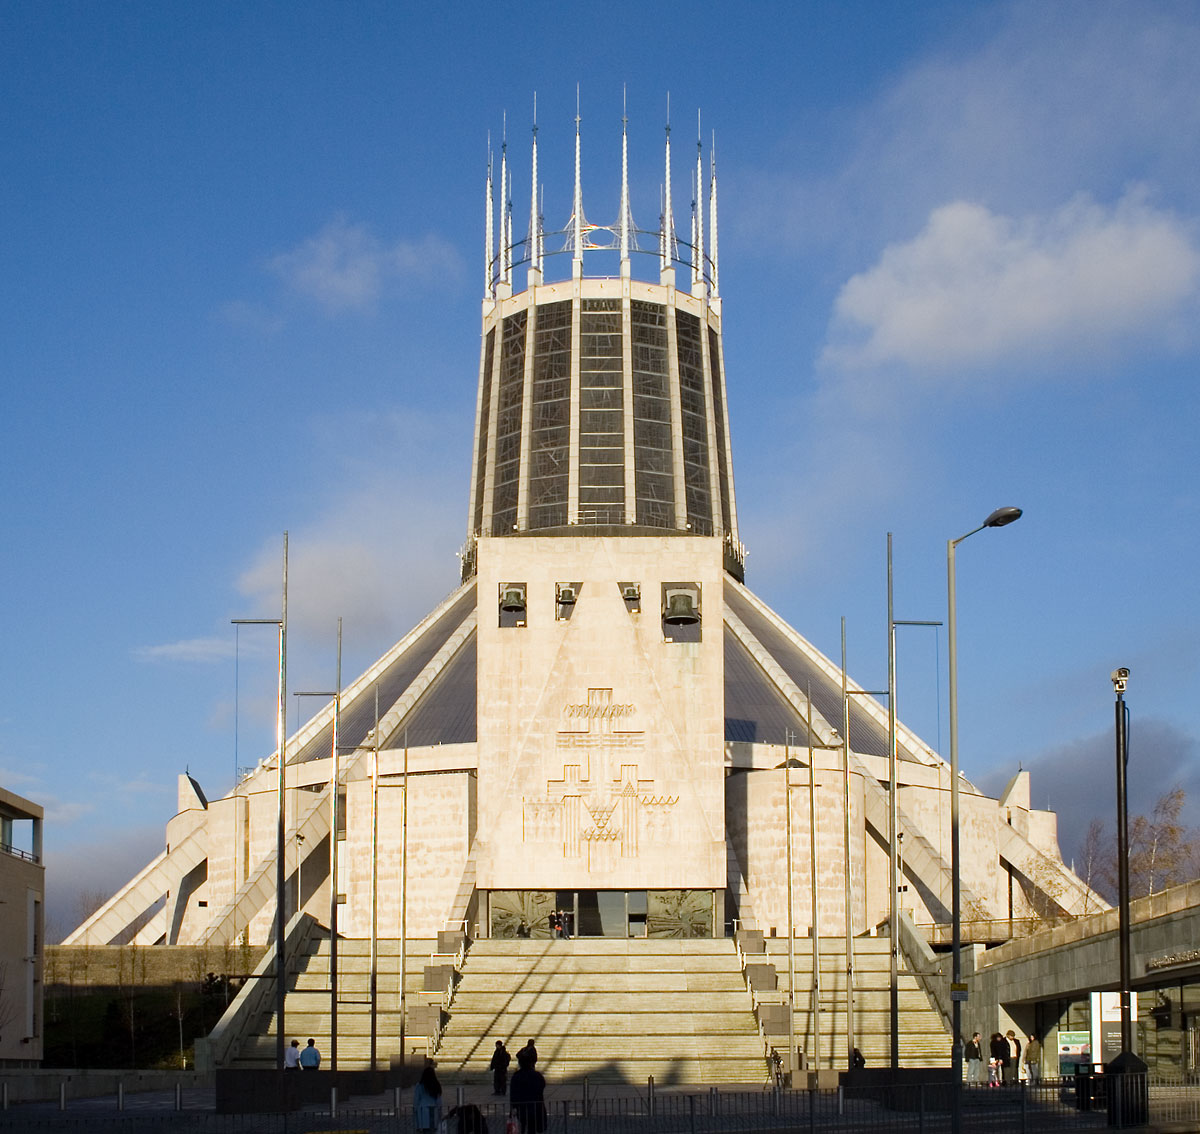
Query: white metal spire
pixel 712 214
pixel 577 206
pixel 489 232
pixel 535 233
pixel 698 214
pixel 624 181
pixel 505 210
pixel 667 239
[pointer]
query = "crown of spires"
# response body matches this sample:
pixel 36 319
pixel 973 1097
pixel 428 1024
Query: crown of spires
pixel 581 236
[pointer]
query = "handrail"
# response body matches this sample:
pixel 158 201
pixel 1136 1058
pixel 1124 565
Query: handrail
pixel 221 1045
pixel 16 852
pixel 926 966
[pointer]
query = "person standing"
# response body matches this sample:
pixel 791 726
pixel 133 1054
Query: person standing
pixel 310 1057
pixel 499 1065
pixel 1033 1061
pixel 1000 1057
pixel 974 1056
pixel 427 1100
pixel 1012 1069
pixel 527 1092
pixel 291 1057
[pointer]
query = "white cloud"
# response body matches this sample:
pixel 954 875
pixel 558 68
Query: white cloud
pixel 201 650
pixel 1016 105
pixel 346 267
pixel 974 288
pixel 379 551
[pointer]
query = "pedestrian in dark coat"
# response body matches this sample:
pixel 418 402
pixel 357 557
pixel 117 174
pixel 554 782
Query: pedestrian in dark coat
pixel 527 1092
pixel 974 1057
pixel 1012 1069
pixel 1001 1054
pixel 499 1065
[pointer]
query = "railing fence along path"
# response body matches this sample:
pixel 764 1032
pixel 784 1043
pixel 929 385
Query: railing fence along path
pixel 1055 1105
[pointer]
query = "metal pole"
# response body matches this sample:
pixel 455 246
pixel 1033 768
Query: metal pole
pixel 813 876
pixel 335 818
pixel 281 831
pixel 403 895
pixel 1123 869
pixel 893 922
pixel 849 922
pixel 375 886
pixel 787 814
pixel 956 1056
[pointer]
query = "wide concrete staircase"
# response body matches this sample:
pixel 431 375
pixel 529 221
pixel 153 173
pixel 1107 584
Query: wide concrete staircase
pixel 307 1004
pixel 923 1039
pixel 608 1009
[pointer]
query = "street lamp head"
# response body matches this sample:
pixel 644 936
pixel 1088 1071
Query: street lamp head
pixel 1002 516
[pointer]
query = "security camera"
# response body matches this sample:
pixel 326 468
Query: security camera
pixel 1120 677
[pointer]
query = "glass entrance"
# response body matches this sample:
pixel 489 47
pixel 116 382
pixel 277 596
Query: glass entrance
pixel 601 913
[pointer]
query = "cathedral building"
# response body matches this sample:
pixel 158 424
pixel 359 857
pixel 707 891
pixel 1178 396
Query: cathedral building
pixel 603 720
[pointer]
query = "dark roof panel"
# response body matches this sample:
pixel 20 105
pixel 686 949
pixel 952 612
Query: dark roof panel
pixel 358 717
pixel 867 735
pixel 446 712
pixel 754 709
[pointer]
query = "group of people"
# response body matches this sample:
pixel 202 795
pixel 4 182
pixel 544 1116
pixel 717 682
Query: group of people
pixel 526 1094
pixel 1005 1057
pixel 560 923
pixel 294 1059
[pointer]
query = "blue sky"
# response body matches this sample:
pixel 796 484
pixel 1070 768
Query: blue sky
pixel 243 247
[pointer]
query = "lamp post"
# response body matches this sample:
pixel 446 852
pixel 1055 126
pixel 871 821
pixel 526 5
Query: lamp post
pixel 847 693
pixel 334 822
pixel 894 823
pixel 1000 518
pixel 281 816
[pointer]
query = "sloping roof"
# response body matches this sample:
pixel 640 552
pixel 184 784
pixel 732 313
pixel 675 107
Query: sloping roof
pixel 756 710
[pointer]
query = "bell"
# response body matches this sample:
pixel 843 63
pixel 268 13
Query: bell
pixel 631 592
pixel 566 595
pixel 681 609
pixel 512 600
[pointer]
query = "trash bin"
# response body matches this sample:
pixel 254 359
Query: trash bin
pixel 1089 1086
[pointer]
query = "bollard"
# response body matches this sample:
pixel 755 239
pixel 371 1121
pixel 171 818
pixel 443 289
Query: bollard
pixel 1022 1108
pixel 650 1096
pixel 3 1096
pixel 396 1101
pixel 566 1112
pixel 62 1095
pixel 458 1095
pixel 692 1113
pixel 712 1100
pixel 333 1101
pixel 587 1102
pixel 841 1100
pixel 921 1108
pixel 179 1096
pixel 120 1094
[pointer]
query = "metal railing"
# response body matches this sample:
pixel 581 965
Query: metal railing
pixel 16 852
pixel 985 931
pixel 1083 1103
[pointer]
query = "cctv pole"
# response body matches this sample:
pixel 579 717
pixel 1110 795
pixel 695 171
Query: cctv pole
pixel 1120 676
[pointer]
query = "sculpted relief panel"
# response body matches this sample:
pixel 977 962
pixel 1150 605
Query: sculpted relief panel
pixel 604 805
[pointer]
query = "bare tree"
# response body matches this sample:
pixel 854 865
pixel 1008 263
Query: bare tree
pixel 1093 851
pixel 1163 851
